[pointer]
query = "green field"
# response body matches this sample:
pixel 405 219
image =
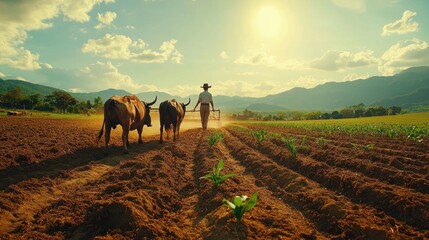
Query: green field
pixel 414 126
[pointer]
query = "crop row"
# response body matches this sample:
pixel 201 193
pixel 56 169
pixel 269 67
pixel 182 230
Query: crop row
pixel 399 202
pixel 332 213
pixel 416 133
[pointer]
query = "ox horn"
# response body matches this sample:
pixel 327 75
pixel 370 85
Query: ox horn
pixel 188 102
pixel 151 103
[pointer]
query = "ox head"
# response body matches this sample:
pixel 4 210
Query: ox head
pixel 147 118
pixel 184 105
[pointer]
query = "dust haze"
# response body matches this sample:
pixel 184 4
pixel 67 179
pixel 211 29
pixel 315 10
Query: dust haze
pixel 191 120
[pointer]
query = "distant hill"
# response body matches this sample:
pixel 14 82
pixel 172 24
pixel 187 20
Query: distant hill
pixel 264 107
pixel 27 88
pixel 403 88
pixel 105 94
pixel 407 88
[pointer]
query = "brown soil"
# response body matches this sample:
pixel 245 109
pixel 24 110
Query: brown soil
pixel 57 183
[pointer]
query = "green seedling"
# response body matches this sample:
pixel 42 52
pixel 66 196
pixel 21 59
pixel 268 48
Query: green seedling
pixel 321 142
pixel 240 204
pixel 368 147
pixel 215 175
pixel 215 138
pixel 260 136
pixel 291 146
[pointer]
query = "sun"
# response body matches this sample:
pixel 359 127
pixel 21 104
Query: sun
pixel 269 21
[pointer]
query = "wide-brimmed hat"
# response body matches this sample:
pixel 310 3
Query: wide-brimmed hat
pixel 206 85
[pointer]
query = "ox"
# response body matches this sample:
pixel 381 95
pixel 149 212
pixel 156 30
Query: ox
pixel 171 113
pixel 130 113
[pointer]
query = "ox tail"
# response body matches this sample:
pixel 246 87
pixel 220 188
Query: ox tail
pixel 107 107
pixel 100 134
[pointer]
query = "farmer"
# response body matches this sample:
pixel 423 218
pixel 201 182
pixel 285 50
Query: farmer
pixel 205 98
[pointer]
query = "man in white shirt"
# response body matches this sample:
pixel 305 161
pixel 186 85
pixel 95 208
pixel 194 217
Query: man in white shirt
pixel 205 99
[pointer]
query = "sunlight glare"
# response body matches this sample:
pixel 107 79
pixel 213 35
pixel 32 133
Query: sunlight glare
pixel 269 21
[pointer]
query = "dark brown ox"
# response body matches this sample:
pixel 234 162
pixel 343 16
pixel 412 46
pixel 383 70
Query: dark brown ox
pixel 171 113
pixel 130 113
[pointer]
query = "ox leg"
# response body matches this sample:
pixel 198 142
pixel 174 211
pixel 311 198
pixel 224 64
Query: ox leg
pixel 107 135
pixel 174 132
pixel 178 129
pixel 125 132
pixel 140 131
pixel 160 133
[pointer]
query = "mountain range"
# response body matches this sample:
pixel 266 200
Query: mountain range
pixel 407 88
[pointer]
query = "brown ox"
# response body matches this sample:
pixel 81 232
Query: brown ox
pixel 130 113
pixel 171 113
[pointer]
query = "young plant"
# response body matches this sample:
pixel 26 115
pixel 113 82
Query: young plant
pixel 240 204
pixel 215 175
pixel 291 146
pixel 368 147
pixel 215 138
pixel 260 136
pixel 321 142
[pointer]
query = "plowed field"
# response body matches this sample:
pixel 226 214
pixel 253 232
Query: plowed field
pixel 56 183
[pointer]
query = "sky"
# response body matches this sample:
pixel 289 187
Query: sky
pixel 243 48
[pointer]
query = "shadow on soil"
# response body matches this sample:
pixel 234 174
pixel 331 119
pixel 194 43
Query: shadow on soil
pixel 57 166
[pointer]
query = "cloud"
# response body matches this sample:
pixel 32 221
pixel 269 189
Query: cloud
pixel 105 19
pixel 94 77
pixel 77 10
pixel 403 55
pixel 257 57
pixel 355 76
pixel 341 60
pixel 223 55
pixel 262 88
pixel 2 75
pixel 401 26
pixel 123 47
pixel 19 17
pixel 261 57
pixel 106 74
pixel 356 5
pixel 130 27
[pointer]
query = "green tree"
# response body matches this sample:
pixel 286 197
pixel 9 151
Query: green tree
pixel 61 100
pixel 12 98
pixel 347 113
pixel 313 115
pixel 393 110
pixel 336 115
pixel 98 103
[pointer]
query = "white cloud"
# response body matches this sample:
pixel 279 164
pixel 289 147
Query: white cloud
pixel 75 90
pixel 108 76
pixel 2 75
pixel 257 57
pixel 130 27
pixel 341 60
pixel 110 46
pixel 403 55
pixel 105 19
pixel 356 5
pixel 77 10
pixel 355 76
pixel 123 47
pixel 261 88
pixel 19 17
pixel 261 57
pixel 401 26
pixel 223 55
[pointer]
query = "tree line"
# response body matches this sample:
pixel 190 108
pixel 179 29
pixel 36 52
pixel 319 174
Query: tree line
pixel 354 111
pixel 57 101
